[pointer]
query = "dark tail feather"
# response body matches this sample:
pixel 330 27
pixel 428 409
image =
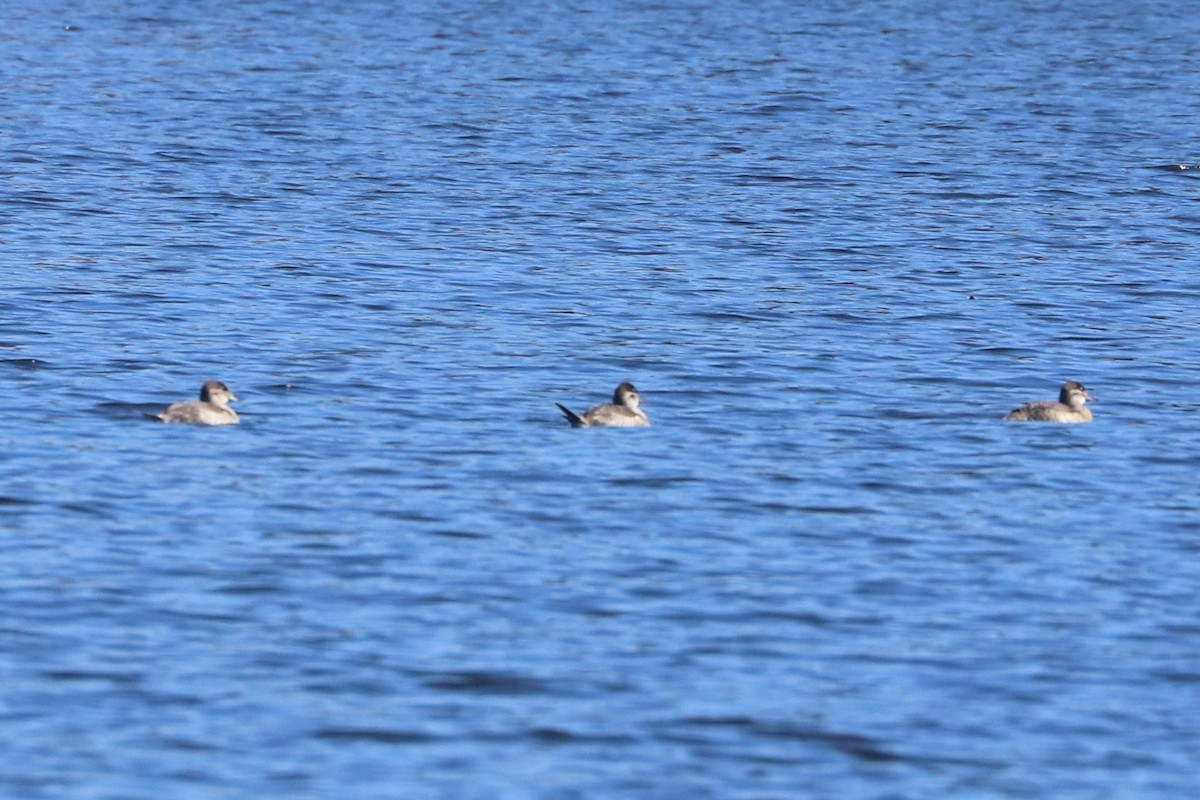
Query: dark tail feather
pixel 573 418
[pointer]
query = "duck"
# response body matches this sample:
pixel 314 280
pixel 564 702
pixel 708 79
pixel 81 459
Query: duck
pixel 1069 407
pixel 211 409
pixel 622 412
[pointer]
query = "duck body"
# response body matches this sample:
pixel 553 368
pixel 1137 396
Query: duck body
pixel 622 412
pixel 211 409
pixel 1069 408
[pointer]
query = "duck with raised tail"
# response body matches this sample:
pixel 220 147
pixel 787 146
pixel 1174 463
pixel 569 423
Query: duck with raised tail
pixel 622 412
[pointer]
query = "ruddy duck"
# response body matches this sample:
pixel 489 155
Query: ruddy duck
pixel 1069 407
pixel 622 412
pixel 211 409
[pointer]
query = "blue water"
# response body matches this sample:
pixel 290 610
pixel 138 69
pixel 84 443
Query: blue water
pixel 832 243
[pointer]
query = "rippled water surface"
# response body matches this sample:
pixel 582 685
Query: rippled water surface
pixel 831 242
